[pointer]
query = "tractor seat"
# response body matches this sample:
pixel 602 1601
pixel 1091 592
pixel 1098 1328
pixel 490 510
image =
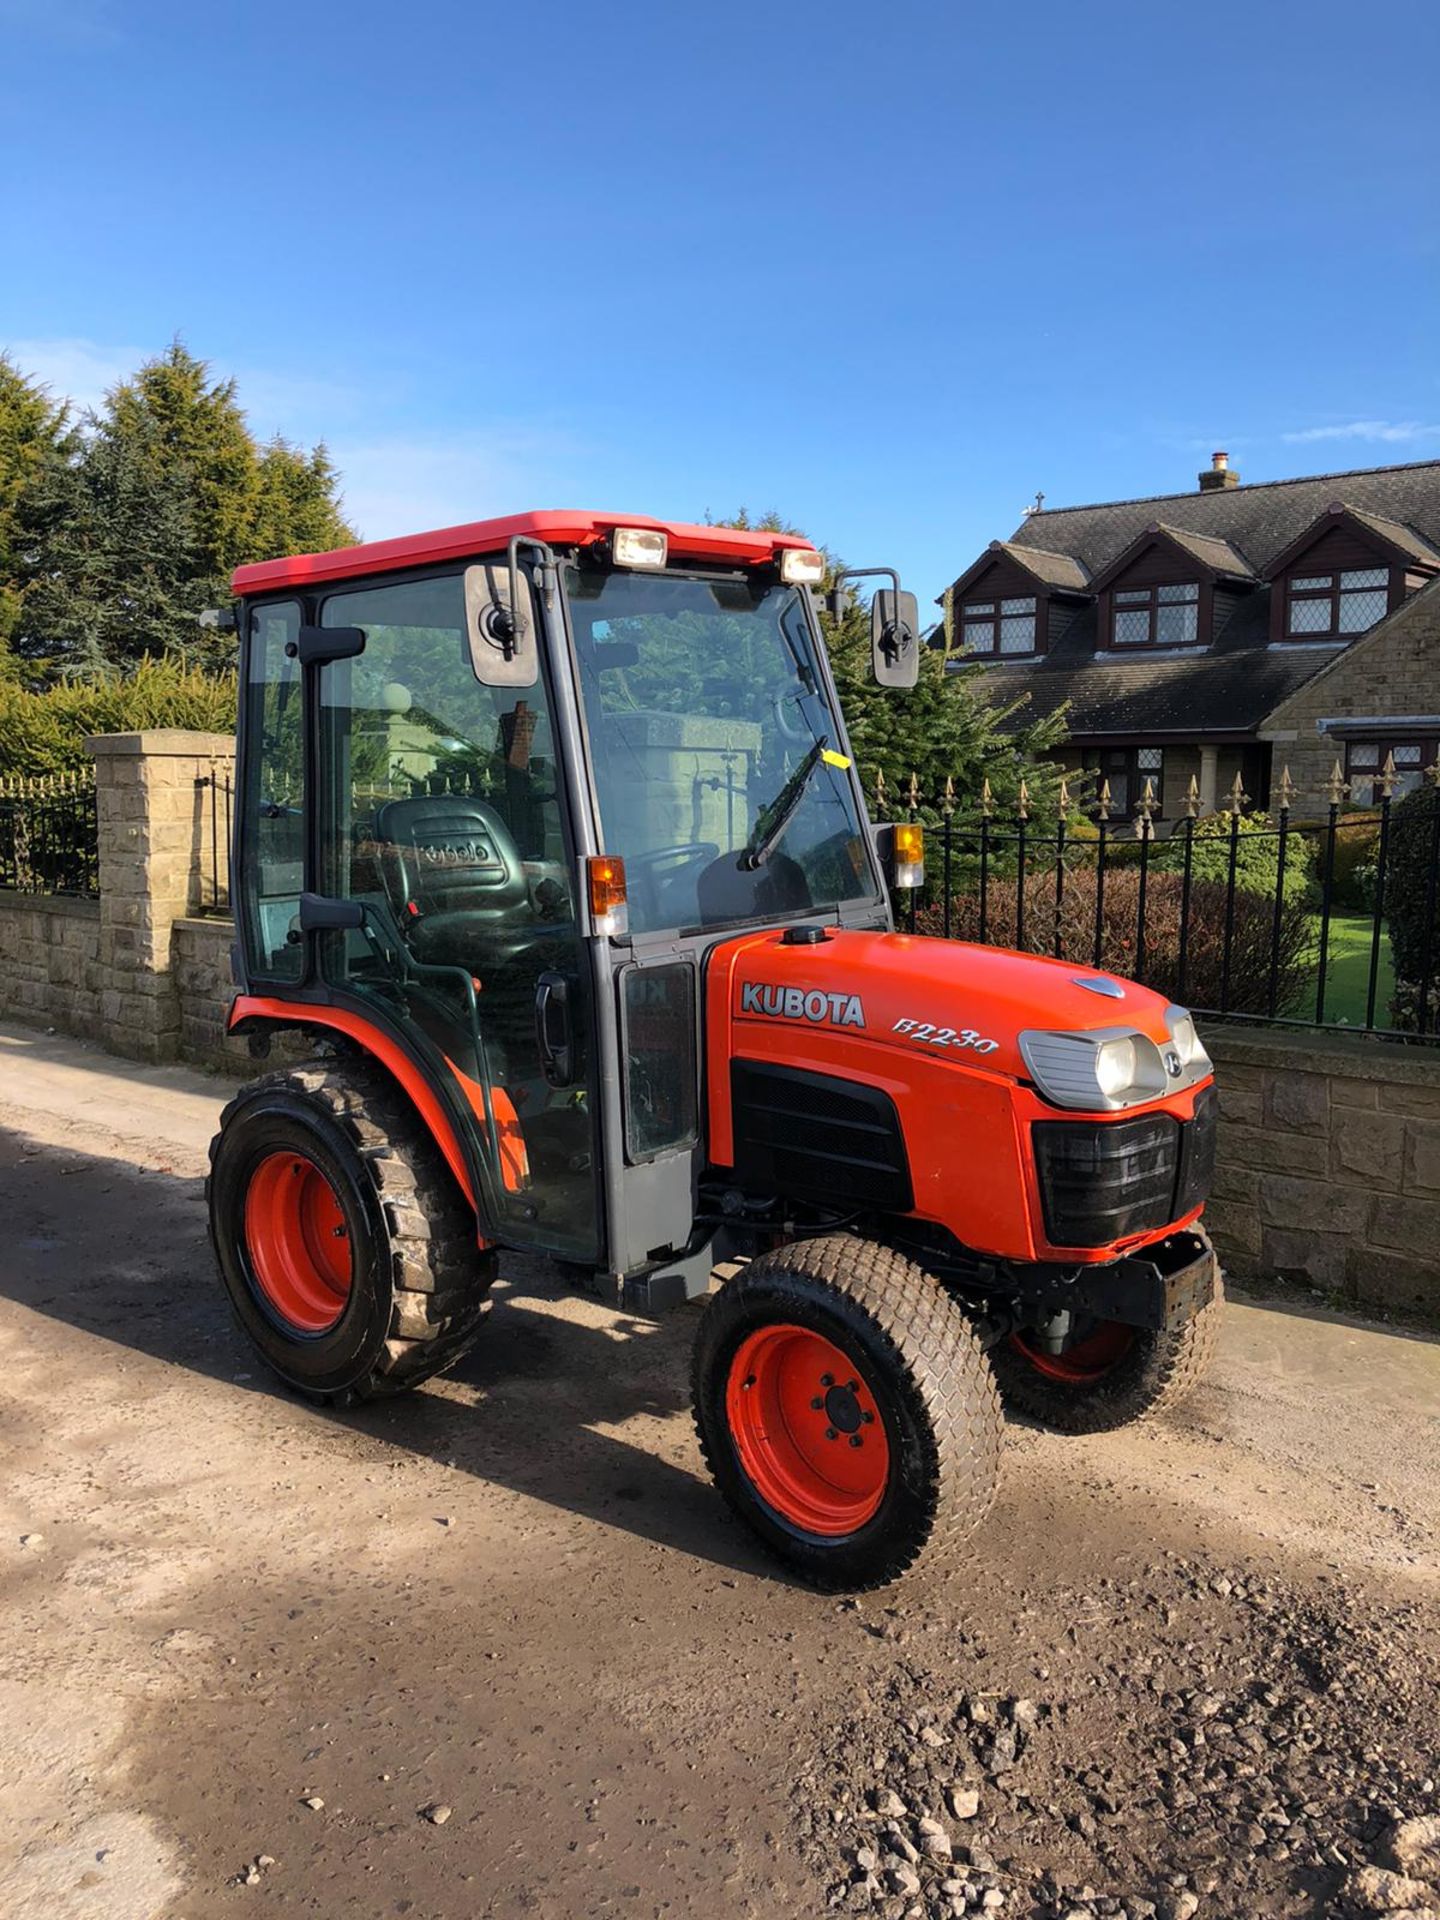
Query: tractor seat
pixel 456 880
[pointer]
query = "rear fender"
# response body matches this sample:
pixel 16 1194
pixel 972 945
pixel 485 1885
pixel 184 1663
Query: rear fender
pixel 253 1012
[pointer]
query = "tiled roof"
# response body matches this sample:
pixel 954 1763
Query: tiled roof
pixel 1056 569
pixel 1229 686
pixel 1260 520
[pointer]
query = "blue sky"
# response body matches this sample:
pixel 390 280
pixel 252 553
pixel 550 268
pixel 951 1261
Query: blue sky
pixel 890 269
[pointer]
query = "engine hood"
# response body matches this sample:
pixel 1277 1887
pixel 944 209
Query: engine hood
pixel 945 998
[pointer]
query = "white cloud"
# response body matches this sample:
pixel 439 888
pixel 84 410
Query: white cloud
pixel 1389 432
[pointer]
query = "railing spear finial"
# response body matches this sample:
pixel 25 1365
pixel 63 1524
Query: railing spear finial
pixel 987 798
pixel 1236 798
pixel 1022 801
pixel 1144 820
pixel 1287 791
pixel 1062 799
pixel 947 802
pixel 1192 799
pixel 1337 787
pixel 1388 776
pixel 1103 800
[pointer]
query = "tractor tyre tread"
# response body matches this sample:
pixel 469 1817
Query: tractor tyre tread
pixel 927 1342
pixel 1161 1371
pixel 438 1276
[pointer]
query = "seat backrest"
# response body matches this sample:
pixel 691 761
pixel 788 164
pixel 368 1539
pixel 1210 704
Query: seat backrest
pixel 450 853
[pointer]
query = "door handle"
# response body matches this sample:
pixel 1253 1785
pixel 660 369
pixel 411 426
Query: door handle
pixel 554 1029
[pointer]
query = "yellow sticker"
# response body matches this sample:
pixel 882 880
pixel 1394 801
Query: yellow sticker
pixel 833 759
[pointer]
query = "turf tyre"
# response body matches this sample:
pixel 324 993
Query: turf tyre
pixel 1153 1376
pixel 913 1346
pixel 418 1279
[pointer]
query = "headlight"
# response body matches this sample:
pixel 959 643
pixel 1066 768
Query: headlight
pixel 1193 1057
pixel 1100 1071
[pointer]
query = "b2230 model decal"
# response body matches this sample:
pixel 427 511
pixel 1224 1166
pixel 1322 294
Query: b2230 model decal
pixel 934 1036
pixel 801 1003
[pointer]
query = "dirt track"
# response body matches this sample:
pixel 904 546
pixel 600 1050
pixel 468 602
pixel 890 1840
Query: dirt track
pixel 514 1595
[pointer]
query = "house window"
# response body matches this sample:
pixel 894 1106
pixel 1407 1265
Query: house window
pixel 1325 604
pixel 1126 769
pixel 1365 759
pixel 1157 616
pixel 999 626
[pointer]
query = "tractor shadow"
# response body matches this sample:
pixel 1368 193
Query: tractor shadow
pixel 120 1253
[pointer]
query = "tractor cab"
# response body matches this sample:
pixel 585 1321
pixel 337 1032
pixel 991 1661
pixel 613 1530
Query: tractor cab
pixel 503 788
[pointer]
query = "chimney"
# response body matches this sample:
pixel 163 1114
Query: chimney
pixel 1218 475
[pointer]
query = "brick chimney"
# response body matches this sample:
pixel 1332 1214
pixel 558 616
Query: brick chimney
pixel 1217 476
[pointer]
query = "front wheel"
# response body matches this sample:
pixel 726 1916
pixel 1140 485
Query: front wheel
pixel 1108 1374
pixel 847 1411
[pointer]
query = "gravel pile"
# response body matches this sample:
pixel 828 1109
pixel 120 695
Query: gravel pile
pixel 1196 1742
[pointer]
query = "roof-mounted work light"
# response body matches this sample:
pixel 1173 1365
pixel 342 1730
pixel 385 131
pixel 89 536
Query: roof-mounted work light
pixel 639 547
pixel 801 566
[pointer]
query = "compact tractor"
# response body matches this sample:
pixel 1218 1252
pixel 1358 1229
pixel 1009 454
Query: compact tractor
pixel 552 847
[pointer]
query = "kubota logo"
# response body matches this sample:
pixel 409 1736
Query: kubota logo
pixel 800 1003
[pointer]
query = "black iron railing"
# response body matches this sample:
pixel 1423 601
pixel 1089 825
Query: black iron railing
pixel 49 837
pixel 215 798
pixel 1325 921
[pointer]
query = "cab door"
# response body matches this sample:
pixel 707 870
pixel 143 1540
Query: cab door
pixel 440 808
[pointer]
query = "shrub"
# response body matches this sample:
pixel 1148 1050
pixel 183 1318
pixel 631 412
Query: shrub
pixel 1357 844
pixel 45 732
pixel 1408 884
pixel 1248 987
pixel 1257 855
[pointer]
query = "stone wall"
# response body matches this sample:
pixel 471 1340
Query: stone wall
pixel 1329 1164
pixel 204 988
pixel 50 970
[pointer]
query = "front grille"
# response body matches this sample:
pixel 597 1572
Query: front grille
pixel 1101 1181
pixel 1197 1154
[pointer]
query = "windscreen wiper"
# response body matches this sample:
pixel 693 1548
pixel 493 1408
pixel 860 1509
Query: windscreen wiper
pixel 774 818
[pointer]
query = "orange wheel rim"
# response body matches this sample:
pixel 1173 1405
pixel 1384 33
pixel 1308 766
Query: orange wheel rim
pixel 807 1430
pixel 1087 1362
pixel 298 1242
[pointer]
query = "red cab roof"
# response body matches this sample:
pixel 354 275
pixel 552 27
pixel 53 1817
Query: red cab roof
pixel 557 528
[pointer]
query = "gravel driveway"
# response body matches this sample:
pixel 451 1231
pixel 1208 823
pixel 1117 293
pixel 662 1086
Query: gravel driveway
pixel 497 1649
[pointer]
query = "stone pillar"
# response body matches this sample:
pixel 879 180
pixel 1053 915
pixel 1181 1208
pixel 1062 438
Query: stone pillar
pixel 158 851
pixel 1209 758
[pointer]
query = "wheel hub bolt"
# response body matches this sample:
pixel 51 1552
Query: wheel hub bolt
pixel 817 1403
pixel 856 1441
pixel 827 1379
pixel 868 1417
pixel 831 1434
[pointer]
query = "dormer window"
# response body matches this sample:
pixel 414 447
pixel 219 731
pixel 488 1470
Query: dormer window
pixel 1166 616
pixel 1326 605
pixel 999 626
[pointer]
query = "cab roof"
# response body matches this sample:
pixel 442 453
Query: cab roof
pixel 558 527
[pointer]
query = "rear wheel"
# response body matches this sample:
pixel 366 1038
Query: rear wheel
pixel 349 1255
pixel 847 1412
pixel 1109 1374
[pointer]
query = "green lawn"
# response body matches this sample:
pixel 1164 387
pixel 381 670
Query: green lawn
pixel 1347 974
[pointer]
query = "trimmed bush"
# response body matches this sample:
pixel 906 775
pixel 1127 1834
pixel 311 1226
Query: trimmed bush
pixel 1408 885
pixel 45 732
pixel 1257 855
pixel 1248 987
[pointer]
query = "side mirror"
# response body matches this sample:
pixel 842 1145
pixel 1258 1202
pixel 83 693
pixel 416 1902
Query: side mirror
pixel 895 638
pixel 503 647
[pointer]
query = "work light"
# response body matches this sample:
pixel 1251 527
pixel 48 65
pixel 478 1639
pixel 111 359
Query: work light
pixel 801 566
pixel 639 547
pixel 609 908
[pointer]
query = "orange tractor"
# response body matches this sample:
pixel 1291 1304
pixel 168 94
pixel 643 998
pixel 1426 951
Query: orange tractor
pixel 551 842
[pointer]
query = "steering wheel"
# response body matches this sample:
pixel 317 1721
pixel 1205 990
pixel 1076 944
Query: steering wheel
pixel 652 873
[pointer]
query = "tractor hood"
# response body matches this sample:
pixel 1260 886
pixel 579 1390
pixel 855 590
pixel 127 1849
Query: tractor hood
pixel 945 999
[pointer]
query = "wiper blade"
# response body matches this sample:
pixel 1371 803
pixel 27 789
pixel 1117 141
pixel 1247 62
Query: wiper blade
pixel 775 817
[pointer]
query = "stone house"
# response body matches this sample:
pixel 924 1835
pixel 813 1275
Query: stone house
pixel 1232 630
